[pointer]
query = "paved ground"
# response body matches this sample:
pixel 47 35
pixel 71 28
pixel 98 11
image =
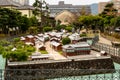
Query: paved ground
pixel 52 52
pixel 101 39
pixel 104 40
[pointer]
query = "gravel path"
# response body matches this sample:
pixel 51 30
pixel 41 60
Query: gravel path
pixel 104 40
pixel 52 52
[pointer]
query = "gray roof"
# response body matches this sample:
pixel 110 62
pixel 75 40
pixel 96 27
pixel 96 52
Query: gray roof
pixel 80 44
pixel 24 7
pixel 8 3
pixel 68 6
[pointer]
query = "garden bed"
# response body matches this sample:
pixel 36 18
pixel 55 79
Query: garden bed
pixel 43 52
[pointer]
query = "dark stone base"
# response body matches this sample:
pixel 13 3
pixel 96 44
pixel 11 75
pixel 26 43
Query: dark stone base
pixel 62 69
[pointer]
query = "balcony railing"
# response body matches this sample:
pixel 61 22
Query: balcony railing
pixel 59 74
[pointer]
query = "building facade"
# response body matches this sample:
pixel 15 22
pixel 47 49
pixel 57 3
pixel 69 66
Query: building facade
pixel 55 9
pixel 81 48
pixel 22 2
pixel 116 5
pixel 94 9
pixel 101 6
pixel 25 9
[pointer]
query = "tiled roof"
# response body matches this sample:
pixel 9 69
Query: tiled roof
pixel 8 3
pixel 24 7
pixel 80 44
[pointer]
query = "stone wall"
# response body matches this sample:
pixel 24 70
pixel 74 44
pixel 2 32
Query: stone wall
pixel 66 68
pixel 116 59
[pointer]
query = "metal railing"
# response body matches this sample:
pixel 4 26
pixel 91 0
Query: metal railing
pixel 107 48
pixel 59 74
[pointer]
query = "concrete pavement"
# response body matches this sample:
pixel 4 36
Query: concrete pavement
pixel 104 40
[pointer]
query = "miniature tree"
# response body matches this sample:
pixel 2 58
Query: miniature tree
pixel 66 41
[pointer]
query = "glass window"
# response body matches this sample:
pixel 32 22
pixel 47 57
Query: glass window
pixel 70 50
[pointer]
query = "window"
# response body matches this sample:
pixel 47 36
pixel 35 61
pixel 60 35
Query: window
pixel 82 48
pixel 70 50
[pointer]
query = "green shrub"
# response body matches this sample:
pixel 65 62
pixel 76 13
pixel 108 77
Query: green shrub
pixel 33 30
pixel 16 39
pixel 66 41
pixel 61 52
pixel 69 29
pixel 47 29
pixel 83 35
pixel 59 27
pixel 43 52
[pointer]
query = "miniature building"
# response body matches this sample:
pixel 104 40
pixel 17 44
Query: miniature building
pixel 38 56
pixel 56 46
pixel 75 38
pixel 54 34
pixel 55 39
pixel 22 39
pixel 116 44
pixel 40 35
pixel 41 47
pixel 103 53
pixel 81 48
pixel 29 39
pixel 40 38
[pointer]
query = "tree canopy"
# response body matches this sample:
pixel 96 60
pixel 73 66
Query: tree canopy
pixel 66 41
pixel 12 20
pixel 17 51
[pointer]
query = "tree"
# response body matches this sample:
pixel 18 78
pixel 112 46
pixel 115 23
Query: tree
pixel 66 41
pixel 109 10
pixel 33 21
pixel 4 43
pixel 16 40
pixel 33 30
pixel 8 19
pixel 16 52
pixel 97 22
pixel 41 10
pixel 117 22
pixel 1 49
pixel 24 23
pixel 109 13
pixel 92 22
pixel 85 21
pixel 12 21
pixel 83 11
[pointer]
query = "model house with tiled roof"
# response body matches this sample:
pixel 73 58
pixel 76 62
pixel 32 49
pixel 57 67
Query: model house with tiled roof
pixel 81 48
